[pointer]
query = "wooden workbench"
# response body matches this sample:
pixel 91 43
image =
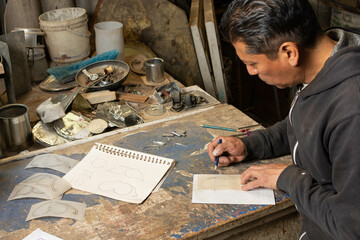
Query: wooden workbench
pixel 166 214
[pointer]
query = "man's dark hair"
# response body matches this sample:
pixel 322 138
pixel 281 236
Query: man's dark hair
pixel 263 25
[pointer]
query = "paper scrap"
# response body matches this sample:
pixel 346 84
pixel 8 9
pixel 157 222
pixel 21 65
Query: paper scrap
pixel 40 235
pixel 57 208
pixel 40 185
pixel 53 161
pixel 226 189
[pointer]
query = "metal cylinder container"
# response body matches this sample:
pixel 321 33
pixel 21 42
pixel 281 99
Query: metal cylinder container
pixel 15 128
pixel 154 70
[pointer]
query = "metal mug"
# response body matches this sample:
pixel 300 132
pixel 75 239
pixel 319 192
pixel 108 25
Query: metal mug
pixel 154 70
pixel 15 128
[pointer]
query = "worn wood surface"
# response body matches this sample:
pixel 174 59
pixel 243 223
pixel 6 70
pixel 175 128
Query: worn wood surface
pixel 166 214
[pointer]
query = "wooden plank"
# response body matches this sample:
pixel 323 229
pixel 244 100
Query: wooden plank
pixel 197 27
pixel 99 96
pixel 129 97
pixel 215 50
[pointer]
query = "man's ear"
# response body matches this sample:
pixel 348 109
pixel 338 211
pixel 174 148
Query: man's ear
pixel 289 51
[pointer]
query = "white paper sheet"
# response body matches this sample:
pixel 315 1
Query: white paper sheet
pixel 119 173
pixel 57 208
pixel 226 189
pixel 40 235
pixel 53 161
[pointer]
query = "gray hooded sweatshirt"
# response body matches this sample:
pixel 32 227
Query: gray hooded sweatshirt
pixel 322 134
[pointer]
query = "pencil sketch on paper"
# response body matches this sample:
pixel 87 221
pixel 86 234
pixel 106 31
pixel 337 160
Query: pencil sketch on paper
pixel 118 187
pixel 99 163
pixel 120 176
pixel 45 180
pixel 82 178
pixel 128 172
pixel 219 182
pixel 226 189
pixel 51 185
pixel 53 161
pixel 26 191
pixel 57 208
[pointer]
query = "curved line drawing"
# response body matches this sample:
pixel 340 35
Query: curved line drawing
pixel 128 172
pixel 51 209
pixel 118 187
pixel 99 163
pixel 42 180
pixel 26 190
pixel 83 177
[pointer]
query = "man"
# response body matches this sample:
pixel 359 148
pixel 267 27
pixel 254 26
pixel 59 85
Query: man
pixel 282 43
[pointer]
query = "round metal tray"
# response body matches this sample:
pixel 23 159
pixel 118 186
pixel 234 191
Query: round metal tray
pixel 98 68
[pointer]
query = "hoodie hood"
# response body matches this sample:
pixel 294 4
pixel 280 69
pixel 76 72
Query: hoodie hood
pixel 343 64
pixel 344 38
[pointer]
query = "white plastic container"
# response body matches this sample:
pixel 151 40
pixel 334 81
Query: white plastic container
pixel 109 36
pixel 66 34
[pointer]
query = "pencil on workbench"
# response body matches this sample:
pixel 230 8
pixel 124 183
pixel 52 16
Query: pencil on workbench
pixel 220 128
pixel 217 158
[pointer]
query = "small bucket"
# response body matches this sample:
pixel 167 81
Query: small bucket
pixel 66 34
pixel 15 128
pixel 109 36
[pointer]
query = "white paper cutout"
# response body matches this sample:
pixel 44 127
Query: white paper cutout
pixel 57 208
pixel 53 161
pixel 220 189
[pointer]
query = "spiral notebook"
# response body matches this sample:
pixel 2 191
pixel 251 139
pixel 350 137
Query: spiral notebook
pixel 119 173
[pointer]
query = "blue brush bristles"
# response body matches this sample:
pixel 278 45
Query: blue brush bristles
pixel 62 73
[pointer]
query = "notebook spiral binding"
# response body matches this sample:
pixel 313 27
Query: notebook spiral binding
pixel 130 154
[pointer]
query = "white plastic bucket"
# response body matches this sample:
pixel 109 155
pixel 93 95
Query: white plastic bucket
pixel 66 34
pixel 109 36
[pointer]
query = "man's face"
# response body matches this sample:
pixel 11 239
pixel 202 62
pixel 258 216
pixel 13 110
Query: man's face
pixel 276 72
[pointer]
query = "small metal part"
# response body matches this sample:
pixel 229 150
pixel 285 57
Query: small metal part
pixel 91 76
pixel 159 143
pixel 148 147
pixel 176 134
pixel 177 101
pixel 109 70
pixel 180 144
pixel 180 131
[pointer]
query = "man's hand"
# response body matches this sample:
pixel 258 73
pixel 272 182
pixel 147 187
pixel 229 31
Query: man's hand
pixel 265 175
pixel 231 150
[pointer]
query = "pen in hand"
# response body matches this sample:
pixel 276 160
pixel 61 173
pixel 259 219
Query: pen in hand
pixel 217 158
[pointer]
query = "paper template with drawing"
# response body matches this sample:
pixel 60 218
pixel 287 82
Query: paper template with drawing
pixel 57 208
pixel 118 173
pixel 40 185
pixel 53 161
pixel 226 189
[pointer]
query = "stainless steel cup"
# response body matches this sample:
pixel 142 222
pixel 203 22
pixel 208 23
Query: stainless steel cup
pixel 154 70
pixel 15 128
